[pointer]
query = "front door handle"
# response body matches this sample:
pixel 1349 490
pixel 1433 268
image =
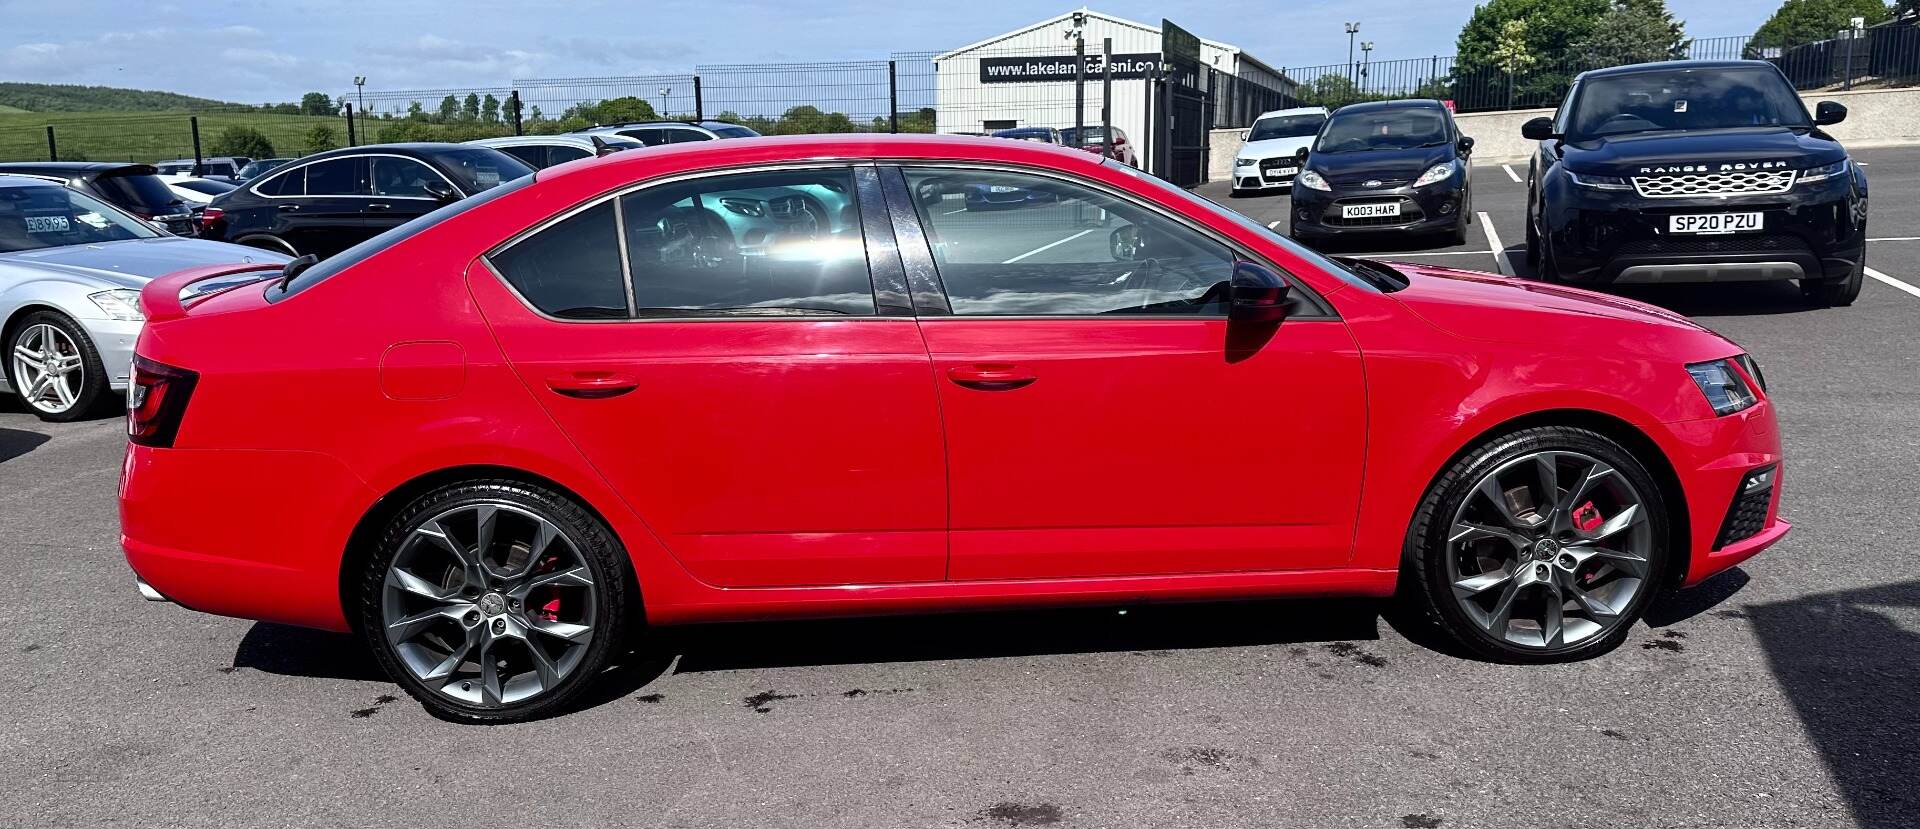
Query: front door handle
pixel 378 206
pixel 289 207
pixel 991 376
pixel 592 385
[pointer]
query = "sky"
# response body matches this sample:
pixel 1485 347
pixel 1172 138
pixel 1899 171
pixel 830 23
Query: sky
pixel 258 52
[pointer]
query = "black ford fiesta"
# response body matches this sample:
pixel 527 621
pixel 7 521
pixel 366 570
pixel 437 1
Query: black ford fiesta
pixel 1385 168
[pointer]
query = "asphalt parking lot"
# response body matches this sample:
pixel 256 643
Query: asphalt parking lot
pixel 1785 693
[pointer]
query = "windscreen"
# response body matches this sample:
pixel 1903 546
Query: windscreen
pixel 52 216
pixel 734 132
pixel 1287 126
pixel 1685 99
pixel 1392 128
pixel 145 195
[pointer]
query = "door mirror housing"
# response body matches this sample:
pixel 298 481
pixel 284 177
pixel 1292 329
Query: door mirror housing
pixel 1829 112
pixel 440 190
pixel 1126 244
pixel 1301 155
pixel 1538 129
pixel 1257 294
pixel 1465 145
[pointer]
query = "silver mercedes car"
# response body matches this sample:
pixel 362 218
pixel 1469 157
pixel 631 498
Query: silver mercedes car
pixel 71 270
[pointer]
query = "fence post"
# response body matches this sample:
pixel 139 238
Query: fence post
pixel 699 111
pixel 1079 88
pixel 1166 126
pixel 53 151
pixel 513 100
pixel 1149 136
pixel 1851 42
pixel 1106 98
pixel 353 140
pixel 193 121
pixel 893 96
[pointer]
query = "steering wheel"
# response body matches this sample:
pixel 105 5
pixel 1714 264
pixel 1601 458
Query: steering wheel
pixel 697 237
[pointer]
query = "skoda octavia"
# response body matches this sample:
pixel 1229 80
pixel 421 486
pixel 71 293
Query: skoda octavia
pixel 796 377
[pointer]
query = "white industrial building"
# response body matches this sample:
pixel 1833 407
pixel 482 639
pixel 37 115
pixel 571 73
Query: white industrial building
pixel 1024 78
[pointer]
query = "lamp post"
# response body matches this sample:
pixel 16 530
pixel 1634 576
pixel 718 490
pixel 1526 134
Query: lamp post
pixel 664 92
pixel 1366 62
pixel 1352 29
pixel 360 87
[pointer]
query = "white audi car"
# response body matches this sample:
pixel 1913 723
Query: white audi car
pixel 1271 157
pixel 71 270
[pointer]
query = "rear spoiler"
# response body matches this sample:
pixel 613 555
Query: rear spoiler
pixel 160 300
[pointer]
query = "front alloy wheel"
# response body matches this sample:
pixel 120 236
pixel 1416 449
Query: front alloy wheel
pixel 494 602
pixel 54 368
pixel 1552 546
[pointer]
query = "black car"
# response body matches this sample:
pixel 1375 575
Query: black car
pixel 260 167
pixel 327 202
pixel 1695 171
pixel 1387 167
pixel 134 188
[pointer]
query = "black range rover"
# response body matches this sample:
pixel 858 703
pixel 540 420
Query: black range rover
pixel 1695 171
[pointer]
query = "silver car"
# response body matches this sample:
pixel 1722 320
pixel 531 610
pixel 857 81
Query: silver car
pixel 71 270
pixel 543 151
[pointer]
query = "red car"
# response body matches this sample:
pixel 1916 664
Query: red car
pixel 795 377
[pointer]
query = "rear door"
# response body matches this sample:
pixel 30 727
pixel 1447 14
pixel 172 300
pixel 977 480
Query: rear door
pixel 316 208
pixel 718 349
pixel 1103 417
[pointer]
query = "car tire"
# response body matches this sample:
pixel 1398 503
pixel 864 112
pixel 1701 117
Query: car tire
pixel 1533 240
pixel 549 573
pixel 1459 235
pixel 73 400
pixel 1453 545
pixel 1835 293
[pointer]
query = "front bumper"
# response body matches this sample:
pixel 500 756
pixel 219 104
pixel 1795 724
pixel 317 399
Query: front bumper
pixel 1432 209
pixel 1600 237
pixel 114 339
pixel 1266 173
pixel 1713 459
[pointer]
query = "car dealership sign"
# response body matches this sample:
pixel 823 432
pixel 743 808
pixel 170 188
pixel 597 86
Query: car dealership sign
pixel 1036 68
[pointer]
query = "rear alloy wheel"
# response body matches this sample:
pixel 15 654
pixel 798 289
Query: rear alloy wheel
pixel 495 602
pixel 54 367
pixel 1542 546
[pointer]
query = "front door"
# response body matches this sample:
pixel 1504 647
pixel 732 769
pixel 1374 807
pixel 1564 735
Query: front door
pixel 715 348
pixel 399 194
pixel 1103 417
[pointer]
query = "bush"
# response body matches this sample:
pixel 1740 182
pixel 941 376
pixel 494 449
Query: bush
pixel 321 139
pixel 242 141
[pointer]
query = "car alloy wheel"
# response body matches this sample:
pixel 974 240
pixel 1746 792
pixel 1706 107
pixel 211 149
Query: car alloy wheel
pixel 489 605
pixel 49 368
pixel 1549 550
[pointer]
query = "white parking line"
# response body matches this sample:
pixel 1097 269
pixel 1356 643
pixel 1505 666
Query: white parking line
pixel 1392 254
pixel 1273 225
pixel 1894 283
pixel 1049 246
pixel 951 212
pixel 1510 173
pixel 1494 247
pixel 1896 239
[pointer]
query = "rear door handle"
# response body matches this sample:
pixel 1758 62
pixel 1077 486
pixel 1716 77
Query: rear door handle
pixel 991 376
pixel 592 385
pixel 289 207
pixel 378 206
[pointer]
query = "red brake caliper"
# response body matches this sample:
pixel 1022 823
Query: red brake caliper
pixel 1587 518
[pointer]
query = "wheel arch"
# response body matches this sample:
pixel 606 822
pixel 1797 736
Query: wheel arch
pixel 366 532
pixel 1634 439
pixel 273 243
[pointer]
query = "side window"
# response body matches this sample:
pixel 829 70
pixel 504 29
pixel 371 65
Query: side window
pixel 337 177
pixel 688 136
pixel 290 183
pixel 394 176
pixel 1017 244
pixel 650 137
pixel 571 269
pixel 1560 124
pixel 784 243
pixel 534 155
pixel 562 155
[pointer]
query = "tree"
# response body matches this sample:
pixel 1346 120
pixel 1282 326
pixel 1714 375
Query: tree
pixel 449 110
pixel 1550 28
pixel 1332 90
pixel 241 141
pixel 490 109
pixel 415 112
pixel 619 111
pixel 321 139
pixel 1805 21
pixel 470 109
pixel 1633 31
pixel 316 103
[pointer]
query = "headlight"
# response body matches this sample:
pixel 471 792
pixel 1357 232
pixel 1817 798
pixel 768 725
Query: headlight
pixel 1834 170
pixel 120 304
pixel 1245 162
pixel 744 207
pixel 1435 174
pixel 1726 390
pixel 1600 182
pixel 1313 181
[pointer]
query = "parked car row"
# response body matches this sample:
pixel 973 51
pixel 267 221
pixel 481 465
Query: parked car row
pixel 1091 139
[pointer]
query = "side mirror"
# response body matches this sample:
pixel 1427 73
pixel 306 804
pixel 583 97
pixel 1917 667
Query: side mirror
pixel 1829 112
pixel 440 190
pixel 1125 244
pixel 1538 129
pixel 1301 154
pixel 1257 294
pixel 1466 145
pixel 1244 134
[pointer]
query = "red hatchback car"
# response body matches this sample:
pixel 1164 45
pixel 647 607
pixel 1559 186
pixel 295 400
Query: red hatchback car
pixel 796 377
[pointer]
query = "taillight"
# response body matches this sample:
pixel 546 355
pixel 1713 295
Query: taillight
pixel 209 216
pixel 157 401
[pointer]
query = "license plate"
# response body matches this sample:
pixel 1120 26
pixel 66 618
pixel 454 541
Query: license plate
pixel 1001 188
pixel 1282 172
pixel 1714 223
pixel 1369 211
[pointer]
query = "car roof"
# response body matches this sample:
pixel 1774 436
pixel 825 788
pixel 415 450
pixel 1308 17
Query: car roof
pixel 1294 111
pixel 70 169
pixel 25 181
pixel 1666 65
pixel 1404 103
pixel 418 149
pixel 1025 131
pixel 780 149
pixel 566 139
